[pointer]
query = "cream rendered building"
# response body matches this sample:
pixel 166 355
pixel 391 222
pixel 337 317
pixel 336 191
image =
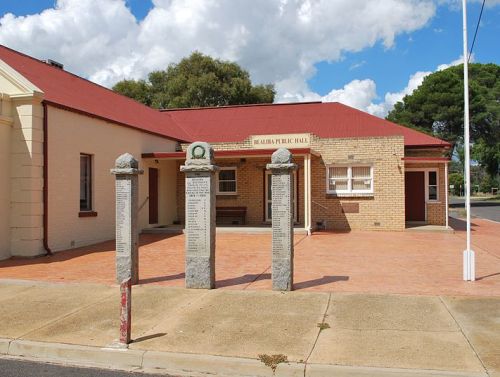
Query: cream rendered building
pixel 40 208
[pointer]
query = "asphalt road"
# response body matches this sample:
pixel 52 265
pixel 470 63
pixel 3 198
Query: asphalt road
pixel 22 368
pixel 479 208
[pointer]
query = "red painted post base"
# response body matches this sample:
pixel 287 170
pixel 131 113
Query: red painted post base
pixel 125 311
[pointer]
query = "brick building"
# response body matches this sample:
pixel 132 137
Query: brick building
pixel 60 135
pixel 356 171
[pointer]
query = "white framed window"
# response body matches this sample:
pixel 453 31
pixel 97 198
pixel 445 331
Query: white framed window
pixel 349 179
pixel 227 181
pixel 432 186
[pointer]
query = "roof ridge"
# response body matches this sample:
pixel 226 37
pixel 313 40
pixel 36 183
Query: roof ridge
pixel 242 105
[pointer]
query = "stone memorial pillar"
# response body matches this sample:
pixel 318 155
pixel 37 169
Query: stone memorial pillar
pixel 200 216
pixel 282 187
pixel 127 236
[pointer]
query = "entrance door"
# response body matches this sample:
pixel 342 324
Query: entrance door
pixel 153 196
pixel 415 196
pixel 269 197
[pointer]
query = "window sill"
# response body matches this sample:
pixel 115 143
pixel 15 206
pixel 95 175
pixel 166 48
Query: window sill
pixel 87 214
pixel 227 194
pixel 351 195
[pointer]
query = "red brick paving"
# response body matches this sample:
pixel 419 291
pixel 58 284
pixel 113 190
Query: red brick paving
pixel 372 262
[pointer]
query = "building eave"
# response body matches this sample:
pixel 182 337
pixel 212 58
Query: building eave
pixel 240 153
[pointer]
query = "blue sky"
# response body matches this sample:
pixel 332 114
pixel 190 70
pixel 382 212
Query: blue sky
pixel 311 63
pixel 423 50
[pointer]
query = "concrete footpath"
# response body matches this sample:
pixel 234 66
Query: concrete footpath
pixel 250 333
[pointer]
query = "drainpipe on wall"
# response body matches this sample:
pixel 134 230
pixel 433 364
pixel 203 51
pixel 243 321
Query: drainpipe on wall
pixel 45 180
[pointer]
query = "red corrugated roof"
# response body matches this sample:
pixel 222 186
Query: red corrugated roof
pixel 220 124
pixel 326 120
pixel 73 92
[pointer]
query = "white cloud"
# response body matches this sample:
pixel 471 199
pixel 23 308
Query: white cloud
pixel 360 94
pixel 277 41
pixel 84 35
pixel 457 61
pixel 390 99
pixel 357 65
pixel 357 93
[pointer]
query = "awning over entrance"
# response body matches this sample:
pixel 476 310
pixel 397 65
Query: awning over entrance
pixel 426 159
pixel 306 153
pixel 230 153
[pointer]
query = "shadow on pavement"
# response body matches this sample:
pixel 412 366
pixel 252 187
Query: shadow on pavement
pixel 64 255
pixel 157 279
pixel 460 225
pixel 147 337
pixel 476 204
pixel 488 276
pixel 320 281
pixel 245 279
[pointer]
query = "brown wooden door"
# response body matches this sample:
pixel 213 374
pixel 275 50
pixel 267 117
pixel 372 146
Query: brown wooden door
pixel 153 196
pixel 414 196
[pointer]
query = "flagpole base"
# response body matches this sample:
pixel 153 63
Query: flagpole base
pixel 469 265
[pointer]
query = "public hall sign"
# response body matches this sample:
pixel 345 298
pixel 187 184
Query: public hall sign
pixel 283 140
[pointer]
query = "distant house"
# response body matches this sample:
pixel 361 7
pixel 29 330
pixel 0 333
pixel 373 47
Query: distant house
pixel 60 134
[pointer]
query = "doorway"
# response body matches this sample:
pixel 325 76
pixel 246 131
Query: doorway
pixel 415 196
pixel 153 195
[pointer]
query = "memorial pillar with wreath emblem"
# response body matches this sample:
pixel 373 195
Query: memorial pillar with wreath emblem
pixel 200 216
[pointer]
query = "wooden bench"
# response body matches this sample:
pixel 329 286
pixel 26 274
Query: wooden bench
pixel 236 212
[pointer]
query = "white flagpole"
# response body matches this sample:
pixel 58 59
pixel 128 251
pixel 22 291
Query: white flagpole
pixel 468 257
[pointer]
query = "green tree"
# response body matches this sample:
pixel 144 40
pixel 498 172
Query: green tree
pixel 138 90
pixel 197 81
pixel 436 107
pixel 457 181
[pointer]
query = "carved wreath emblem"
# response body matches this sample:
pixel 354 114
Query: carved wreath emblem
pixel 198 152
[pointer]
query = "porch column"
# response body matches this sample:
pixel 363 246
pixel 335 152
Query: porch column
pixel 307 194
pixel 446 186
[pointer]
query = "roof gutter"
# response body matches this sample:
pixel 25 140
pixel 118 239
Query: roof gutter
pixel 110 120
pixel 45 179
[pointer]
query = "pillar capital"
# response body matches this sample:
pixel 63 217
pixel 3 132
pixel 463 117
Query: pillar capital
pixel 126 164
pixel 281 159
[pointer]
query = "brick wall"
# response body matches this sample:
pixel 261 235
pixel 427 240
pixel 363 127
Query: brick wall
pixel 250 188
pixel 384 209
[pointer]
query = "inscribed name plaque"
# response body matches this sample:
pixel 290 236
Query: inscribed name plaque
pixel 282 220
pixel 198 207
pixel 350 207
pixel 200 216
pixel 282 187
